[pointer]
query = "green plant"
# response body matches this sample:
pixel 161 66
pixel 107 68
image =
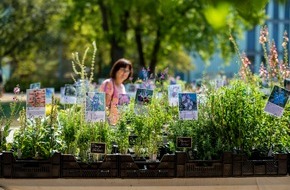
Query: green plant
pixel 180 128
pixel 92 132
pixel 124 129
pixel 77 133
pixel 272 72
pixel 7 116
pixel 38 138
pixel 69 120
pixel 160 115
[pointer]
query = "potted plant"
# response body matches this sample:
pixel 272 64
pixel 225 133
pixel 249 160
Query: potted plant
pixel 37 145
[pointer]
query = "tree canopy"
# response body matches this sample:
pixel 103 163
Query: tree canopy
pixel 39 36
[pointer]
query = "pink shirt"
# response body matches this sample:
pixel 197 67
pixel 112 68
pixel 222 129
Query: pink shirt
pixel 112 98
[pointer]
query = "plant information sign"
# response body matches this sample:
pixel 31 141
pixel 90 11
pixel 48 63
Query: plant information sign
pixel 277 101
pixel 49 92
pixel 187 105
pixel 68 94
pixel 34 85
pixel 173 91
pixel 98 148
pixel 35 103
pixel 143 97
pixel 184 142
pixel 95 107
pixel 124 99
pixel 131 89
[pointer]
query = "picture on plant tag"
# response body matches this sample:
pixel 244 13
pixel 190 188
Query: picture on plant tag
pixel 95 101
pixel 70 90
pixel 187 102
pixel 124 99
pixel 95 107
pixel 68 94
pixel 187 105
pixel 36 98
pixel 173 91
pixel 131 89
pixel 81 86
pixel 279 96
pixel 277 101
pixel 49 92
pixel 35 103
pixel 35 85
pixel 143 96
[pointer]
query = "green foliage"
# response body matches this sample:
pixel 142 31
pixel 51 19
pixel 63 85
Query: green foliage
pixel 70 126
pixel 94 132
pixel 38 138
pixel 42 34
pixel 78 134
pixel 234 111
pixel 232 118
pixel 124 128
pixel 149 123
pixel 9 111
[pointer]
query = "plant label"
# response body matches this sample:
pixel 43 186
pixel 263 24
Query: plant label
pixel 34 85
pixel 184 142
pixel 277 101
pixel 68 94
pixel 48 95
pixel 95 107
pixel 35 103
pixel 173 91
pixel 99 148
pixel 187 105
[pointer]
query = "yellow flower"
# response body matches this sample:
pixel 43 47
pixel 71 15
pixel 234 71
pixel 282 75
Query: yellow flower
pixel 48 109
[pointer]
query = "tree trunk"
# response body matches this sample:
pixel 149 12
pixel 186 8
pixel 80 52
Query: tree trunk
pixel 138 38
pixel 154 54
pixel 116 51
pixel 115 38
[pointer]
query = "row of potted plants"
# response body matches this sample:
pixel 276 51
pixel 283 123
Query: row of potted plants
pixel 178 165
pixel 230 118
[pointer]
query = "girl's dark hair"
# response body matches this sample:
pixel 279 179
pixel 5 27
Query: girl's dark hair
pixel 121 63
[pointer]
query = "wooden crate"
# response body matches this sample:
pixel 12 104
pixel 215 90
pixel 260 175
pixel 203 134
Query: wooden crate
pixel 17 168
pixel 130 168
pixel 71 168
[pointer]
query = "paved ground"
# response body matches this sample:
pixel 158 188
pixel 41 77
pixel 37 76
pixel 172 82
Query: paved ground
pixel 249 183
pixel 8 97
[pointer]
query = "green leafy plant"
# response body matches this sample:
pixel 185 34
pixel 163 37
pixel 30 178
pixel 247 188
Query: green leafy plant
pixel 38 138
pixel 7 117
pixel 69 120
pixel 92 132
pixel 124 128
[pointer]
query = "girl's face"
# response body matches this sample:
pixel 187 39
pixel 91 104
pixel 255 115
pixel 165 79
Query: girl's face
pixel 123 73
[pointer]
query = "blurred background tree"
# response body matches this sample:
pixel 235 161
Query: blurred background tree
pixel 37 37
